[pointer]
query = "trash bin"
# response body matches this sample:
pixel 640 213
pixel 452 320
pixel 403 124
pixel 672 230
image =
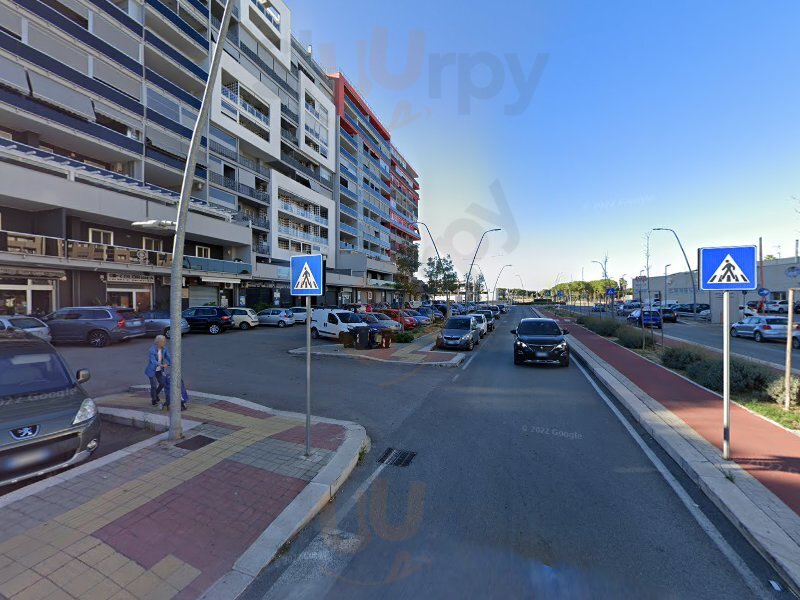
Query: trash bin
pixel 348 339
pixel 362 338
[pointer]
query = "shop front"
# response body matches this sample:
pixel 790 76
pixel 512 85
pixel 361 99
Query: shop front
pixel 130 290
pixel 28 291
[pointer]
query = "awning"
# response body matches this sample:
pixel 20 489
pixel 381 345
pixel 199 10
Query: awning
pixel 29 273
pixel 219 280
pixel 13 75
pixel 111 112
pixel 56 93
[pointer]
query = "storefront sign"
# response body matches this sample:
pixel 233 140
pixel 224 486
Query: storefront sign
pixel 129 278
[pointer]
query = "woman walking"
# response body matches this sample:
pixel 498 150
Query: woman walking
pixel 158 361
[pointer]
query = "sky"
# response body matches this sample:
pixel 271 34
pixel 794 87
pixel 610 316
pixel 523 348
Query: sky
pixel 577 127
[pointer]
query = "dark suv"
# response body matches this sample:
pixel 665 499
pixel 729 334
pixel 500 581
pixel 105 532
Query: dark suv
pixel 541 341
pixel 47 421
pixel 213 319
pixel 97 326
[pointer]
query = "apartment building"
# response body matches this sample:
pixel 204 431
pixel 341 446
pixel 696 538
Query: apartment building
pixel 375 214
pixel 97 102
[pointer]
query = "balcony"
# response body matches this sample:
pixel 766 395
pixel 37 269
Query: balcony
pixel 270 13
pixel 380 282
pixel 346 246
pixel 289 113
pixel 255 221
pixel 178 22
pixel 301 212
pixel 289 136
pixel 348 211
pixel 348 229
pixel 292 161
pixel 348 192
pixel 302 235
pixel 349 137
pixel 220 179
pixel 253 165
pixel 231 91
pixel 261 249
pixel 352 158
pixel 213 265
pixel 310 108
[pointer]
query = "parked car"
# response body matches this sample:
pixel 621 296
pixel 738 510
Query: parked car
pixel 495 310
pixel 599 308
pixel 503 308
pixel 627 308
pixel 796 338
pixel 422 320
pixel 387 320
pixel 747 310
pixel 668 315
pixel 211 319
pixel 332 323
pixel 459 332
pixel 158 322
pixel 358 307
pixel 397 315
pixel 244 318
pixel 280 317
pixel 483 326
pixel 299 313
pixel 97 326
pixel 705 315
pixel 777 306
pixel 644 317
pixel 432 314
pixel 490 320
pixel 30 325
pixel 686 309
pixel 541 341
pixel 761 328
pixel 50 421
pixel 457 308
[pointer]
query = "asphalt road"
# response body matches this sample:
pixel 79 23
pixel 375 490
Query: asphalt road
pixel 709 334
pixel 524 484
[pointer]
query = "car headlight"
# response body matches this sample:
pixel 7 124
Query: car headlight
pixel 562 346
pixel 466 337
pixel 88 410
pixel 521 344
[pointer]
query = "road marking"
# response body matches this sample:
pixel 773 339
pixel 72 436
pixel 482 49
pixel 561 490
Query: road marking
pixel 705 524
pixel 466 364
pixel 455 376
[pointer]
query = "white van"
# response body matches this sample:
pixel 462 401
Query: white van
pixel 333 322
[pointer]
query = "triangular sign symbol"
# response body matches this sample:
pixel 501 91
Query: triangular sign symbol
pixel 728 272
pixel 306 279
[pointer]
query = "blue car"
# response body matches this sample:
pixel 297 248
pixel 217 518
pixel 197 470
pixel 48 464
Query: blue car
pixel 422 320
pixel 379 322
pixel 652 318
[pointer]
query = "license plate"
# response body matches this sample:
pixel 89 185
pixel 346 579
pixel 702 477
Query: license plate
pixel 541 355
pixel 136 323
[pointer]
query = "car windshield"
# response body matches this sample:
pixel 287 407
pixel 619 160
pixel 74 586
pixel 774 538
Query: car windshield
pixel 31 370
pixel 348 317
pixel 456 323
pixel 368 318
pixel 380 317
pixel 538 328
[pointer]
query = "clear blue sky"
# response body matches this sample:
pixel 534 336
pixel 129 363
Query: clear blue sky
pixel 676 114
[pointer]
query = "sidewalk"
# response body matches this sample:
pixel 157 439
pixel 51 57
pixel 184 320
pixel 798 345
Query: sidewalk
pixel 759 489
pixel 418 352
pixel 159 520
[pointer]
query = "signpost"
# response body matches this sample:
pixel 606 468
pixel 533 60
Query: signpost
pixel 727 269
pixel 307 278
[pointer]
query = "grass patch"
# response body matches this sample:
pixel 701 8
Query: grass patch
pixel 789 419
pixel 404 337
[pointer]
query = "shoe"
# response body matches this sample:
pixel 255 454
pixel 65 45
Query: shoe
pixel 155 402
pixel 183 405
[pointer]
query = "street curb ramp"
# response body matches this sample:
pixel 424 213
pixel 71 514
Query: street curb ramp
pixel 761 517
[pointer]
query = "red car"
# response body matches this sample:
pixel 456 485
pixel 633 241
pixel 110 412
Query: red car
pixel 397 315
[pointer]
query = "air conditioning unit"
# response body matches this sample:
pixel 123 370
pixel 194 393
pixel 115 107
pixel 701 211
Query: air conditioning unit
pixel 227 286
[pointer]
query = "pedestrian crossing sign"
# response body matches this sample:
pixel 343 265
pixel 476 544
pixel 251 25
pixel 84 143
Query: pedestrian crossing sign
pixel 306 274
pixel 730 268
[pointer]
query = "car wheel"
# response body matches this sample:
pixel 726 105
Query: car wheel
pixel 281 324
pixel 564 362
pixel 214 329
pixel 244 326
pixel 734 332
pixel 166 332
pixel 758 337
pixel 795 343
pixel 517 360
pixel 98 339
pixel 314 333
pixel 470 346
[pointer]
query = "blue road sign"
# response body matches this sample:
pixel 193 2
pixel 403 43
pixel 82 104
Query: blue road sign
pixel 763 292
pixel 560 293
pixel 305 275
pixel 611 292
pixel 728 268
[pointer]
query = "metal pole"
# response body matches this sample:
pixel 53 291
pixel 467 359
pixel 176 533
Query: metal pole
pixel 663 304
pixel 494 291
pixel 688 266
pixel 726 376
pixel 789 338
pixel 466 282
pixel 176 273
pixel 308 375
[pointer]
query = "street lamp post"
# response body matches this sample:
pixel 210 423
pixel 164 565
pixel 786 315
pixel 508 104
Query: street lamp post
pixel 688 266
pixel 522 283
pixel 466 282
pixel 663 304
pixel 494 291
pixel 605 279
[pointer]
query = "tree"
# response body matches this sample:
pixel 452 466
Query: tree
pixel 433 274
pixel 449 280
pixel 406 258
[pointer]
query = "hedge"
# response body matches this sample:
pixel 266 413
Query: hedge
pixel 746 377
pixel 631 337
pixel 776 390
pixel 404 337
pixel 681 358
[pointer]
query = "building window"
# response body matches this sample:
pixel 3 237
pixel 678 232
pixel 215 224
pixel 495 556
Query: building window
pixel 202 251
pixel 153 244
pixel 101 236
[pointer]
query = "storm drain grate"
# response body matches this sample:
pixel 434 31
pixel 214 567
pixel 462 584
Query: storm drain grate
pixel 397 458
pixel 196 442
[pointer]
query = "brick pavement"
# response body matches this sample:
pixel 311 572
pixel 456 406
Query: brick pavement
pixel 164 521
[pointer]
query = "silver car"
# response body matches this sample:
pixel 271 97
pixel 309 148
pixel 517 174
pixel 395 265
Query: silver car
pixel 280 317
pixel 761 328
pixel 30 325
pixel 299 313
pixel 157 322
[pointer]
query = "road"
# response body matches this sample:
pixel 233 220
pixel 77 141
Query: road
pixel 709 334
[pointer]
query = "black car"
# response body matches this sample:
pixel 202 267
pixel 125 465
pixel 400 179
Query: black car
pixel 541 341
pixel 668 315
pixel 686 309
pixel 213 319
pixel 47 421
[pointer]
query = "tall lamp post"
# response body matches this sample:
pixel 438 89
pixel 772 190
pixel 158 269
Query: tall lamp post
pixel 688 266
pixel 494 291
pixel 466 282
pixel 605 278
pixel 431 236
pixel 664 303
pixel 522 283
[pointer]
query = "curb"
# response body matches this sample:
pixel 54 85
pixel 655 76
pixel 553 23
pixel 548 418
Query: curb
pixel 453 362
pixel 701 461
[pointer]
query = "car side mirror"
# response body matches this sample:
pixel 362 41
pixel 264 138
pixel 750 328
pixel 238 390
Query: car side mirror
pixel 565 331
pixel 83 375
pixel 514 331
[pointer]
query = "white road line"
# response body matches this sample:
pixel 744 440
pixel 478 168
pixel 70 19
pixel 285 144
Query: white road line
pixel 455 376
pixel 466 364
pixel 736 561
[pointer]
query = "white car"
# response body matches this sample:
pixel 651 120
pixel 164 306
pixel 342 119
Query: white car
pixel 333 322
pixel 244 318
pixel 299 313
pixel 483 326
pixel 747 311
pixel 30 325
pixel 777 306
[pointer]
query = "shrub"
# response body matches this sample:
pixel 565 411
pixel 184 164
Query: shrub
pixel 680 358
pixel 775 391
pixel 747 376
pixel 581 320
pixel 631 337
pixel 707 372
pixel 404 337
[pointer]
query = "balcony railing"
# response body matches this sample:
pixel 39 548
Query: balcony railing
pixel 349 137
pixel 291 160
pixel 348 211
pixel 303 235
pixel 289 136
pixel 255 221
pixel 348 229
pixel 214 265
pixel 253 165
pixel 269 13
pixel 290 113
pixel 261 248
pixel 313 110
pixel 301 212
pixel 220 179
pixel 346 246
pixel 380 282
pixel 348 192
pixel 178 22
